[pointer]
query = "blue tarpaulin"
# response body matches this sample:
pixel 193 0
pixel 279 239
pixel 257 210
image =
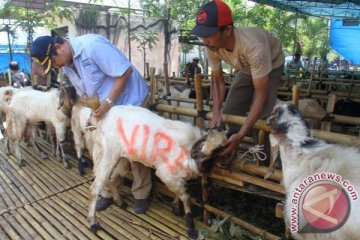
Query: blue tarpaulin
pixel 22 58
pixel 345 39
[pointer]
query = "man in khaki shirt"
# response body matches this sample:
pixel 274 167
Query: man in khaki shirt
pixel 254 53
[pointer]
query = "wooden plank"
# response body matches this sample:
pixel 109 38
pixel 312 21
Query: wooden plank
pixel 33 223
pixel 43 222
pixel 54 222
pixel 39 192
pixel 73 172
pixel 64 221
pixel 35 177
pixel 3 234
pixel 71 197
pixel 48 180
pixel 8 229
pixel 5 192
pixel 16 226
pixel 16 194
pixel 33 234
pixel 20 183
pixel 78 221
pixel 51 173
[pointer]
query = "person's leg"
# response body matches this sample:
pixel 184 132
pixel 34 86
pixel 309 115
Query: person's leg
pixel 141 186
pixel 239 98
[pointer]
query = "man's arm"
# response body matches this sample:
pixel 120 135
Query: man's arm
pixel 218 97
pixel 258 105
pixel 119 85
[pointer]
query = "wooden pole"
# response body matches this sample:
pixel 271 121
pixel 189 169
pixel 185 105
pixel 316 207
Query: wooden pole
pixel 167 87
pixel 261 124
pixel 296 95
pixel 326 126
pixel 199 99
pixel 147 71
pixel 152 85
pixel 200 124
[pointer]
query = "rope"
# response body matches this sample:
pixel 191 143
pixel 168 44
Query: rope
pixel 257 151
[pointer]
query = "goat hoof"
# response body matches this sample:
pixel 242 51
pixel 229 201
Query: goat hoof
pixel 178 211
pixel 81 172
pixel 124 206
pixel 44 156
pixel 95 227
pixel 21 163
pixel 192 234
pixel 67 165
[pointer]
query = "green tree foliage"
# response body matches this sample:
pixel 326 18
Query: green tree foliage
pixel 297 32
pixel 27 19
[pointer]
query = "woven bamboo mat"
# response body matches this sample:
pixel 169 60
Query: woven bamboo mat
pixel 43 200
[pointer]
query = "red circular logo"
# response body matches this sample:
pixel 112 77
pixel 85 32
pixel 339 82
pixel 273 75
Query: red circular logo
pixel 202 16
pixel 326 207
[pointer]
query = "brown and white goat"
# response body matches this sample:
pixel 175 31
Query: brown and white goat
pixel 303 156
pixel 137 134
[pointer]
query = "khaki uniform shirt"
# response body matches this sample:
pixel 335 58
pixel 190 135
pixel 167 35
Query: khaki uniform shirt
pixel 256 53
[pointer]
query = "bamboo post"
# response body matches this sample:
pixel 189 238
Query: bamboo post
pixel 296 95
pixel 199 99
pixel 167 87
pixel 200 124
pixel 326 126
pixel 152 85
pixel 147 65
pixel 9 77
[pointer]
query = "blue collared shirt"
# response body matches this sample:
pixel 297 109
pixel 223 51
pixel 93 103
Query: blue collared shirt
pixel 97 64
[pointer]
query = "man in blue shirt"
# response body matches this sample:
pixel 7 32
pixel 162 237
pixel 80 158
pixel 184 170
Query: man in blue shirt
pixel 94 65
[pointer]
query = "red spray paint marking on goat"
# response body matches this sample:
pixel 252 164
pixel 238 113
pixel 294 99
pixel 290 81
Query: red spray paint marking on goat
pixel 146 139
pixel 130 144
pixel 161 139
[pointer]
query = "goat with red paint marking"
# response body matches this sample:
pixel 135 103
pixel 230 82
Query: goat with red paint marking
pixel 137 134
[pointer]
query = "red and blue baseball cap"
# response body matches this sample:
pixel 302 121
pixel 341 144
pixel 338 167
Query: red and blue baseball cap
pixel 211 17
pixel 42 50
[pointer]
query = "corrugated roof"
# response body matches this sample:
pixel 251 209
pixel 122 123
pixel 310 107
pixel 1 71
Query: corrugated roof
pixel 320 8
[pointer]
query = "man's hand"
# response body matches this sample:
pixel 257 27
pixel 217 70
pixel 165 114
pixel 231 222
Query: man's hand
pixel 216 121
pixel 101 110
pixel 230 146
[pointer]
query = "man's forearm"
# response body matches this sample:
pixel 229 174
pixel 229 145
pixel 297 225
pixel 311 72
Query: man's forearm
pixel 119 85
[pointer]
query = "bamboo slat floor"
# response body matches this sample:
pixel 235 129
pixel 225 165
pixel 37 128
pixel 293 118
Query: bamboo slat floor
pixel 43 200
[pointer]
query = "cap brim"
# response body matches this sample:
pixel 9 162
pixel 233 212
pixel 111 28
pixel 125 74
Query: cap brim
pixel 204 31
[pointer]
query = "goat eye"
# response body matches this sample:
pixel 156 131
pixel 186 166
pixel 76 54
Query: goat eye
pixel 279 112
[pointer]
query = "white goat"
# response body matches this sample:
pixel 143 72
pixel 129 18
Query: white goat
pixel 302 156
pixel 30 107
pixel 137 134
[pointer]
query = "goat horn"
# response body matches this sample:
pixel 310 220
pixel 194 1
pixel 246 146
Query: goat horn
pixel 92 102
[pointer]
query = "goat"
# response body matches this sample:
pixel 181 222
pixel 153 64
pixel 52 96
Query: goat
pixel 137 134
pixel 302 156
pixel 33 106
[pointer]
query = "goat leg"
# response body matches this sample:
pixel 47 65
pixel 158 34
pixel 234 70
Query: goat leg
pixel 18 155
pixel 177 207
pixel 81 166
pixel 64 159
